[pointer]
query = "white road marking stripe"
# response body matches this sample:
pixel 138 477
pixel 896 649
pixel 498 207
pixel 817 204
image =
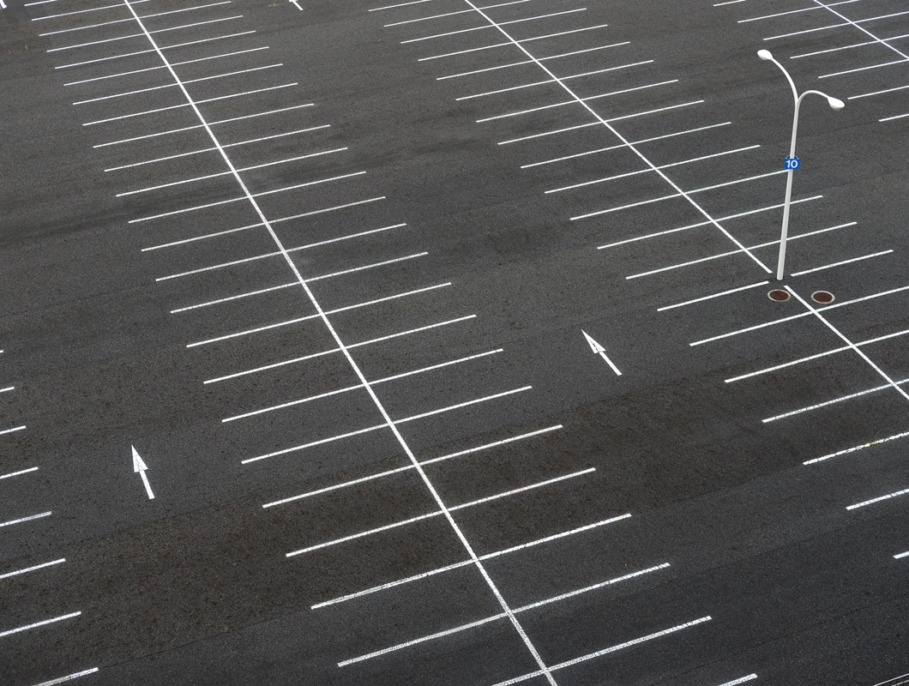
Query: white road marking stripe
pixel 900 557
pixel 451 14
pixel 853 71
pixel 868 95
pixel 18 473
pixel 838 264
pixel 501 45
pixel 231 298
pixel 549 81
pixel 25 519
pixel 744 679
pixel 711 297
pixel 827 403
pixel 606 651
pixel 899 116
pixel 7 389
pixel 331 351
pixel 84 28
pixel 142 35
pixel 9 431
pixel 69 677
pixel 93 9
pixel 458 406
pixel 480 28
pixel 32 569
pixel 39 624
pixel 402 4
pixel 121 21
pixel 853 449
pixel 879 499
pixel 783 14
pixel 522 62
pixel 438 513
pixel 848 22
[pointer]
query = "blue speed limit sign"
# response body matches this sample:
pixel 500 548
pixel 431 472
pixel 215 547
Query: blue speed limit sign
pixel 792 163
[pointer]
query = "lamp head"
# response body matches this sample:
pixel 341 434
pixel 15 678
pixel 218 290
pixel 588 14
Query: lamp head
pixel 835 103
pixel 765 55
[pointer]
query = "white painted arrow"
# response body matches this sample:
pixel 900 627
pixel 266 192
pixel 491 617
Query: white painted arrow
pixel 140 467
pixel 601 351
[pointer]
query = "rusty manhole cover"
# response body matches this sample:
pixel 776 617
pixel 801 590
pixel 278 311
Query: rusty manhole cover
pixel 779 296
pixel 822 297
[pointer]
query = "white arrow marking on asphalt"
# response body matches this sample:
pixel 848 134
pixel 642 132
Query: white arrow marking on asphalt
pixel 140 467
pixel 601 351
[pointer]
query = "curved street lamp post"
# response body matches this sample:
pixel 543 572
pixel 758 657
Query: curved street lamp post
pixel 792 162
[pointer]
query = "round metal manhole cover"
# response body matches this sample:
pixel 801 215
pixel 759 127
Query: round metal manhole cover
pixel 778 296
pixel 822 297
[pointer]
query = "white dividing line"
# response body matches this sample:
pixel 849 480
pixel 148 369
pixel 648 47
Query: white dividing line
pixel 25 519
pixel 783 14
pixel 700 224
pixel 171 85
pixel 141 35
pixel 550 81
pixel 827 403
pixel 139 71
pixel 728 2
pixel 402 4
pixel 439 513
pixel 7 389
pixel 496 617
pixel 93 9
pixel 19 473
pixel 234 297
pixel 502 45
pixel 457 565
pixel 879 499
pixel 868 95
pixel 33 569
pixel 598 123
pixel 9 431
pixel 84 28
pixel 898 116
pixel 332 351
pixel 855 24
pixel 451 14
pixel 39 624
pixel 853 71
pixel 848 342
pixel 576 100
pixel 146 52
pixel 220 174
pixel 69 677
pixel 889 682
pixel 750 677
pixel 390 472
pixel 522 62
pixel 144 16
pixel 481 28
pixel 856 448
pixel 346 352
pixel 799 316
pixel 606 651
pixel 619 147
pixel 900 557
pixel 652 169
pixel 715 295
pixel 686 194
pixel 838 264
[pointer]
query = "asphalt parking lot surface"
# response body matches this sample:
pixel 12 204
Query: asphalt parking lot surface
pixel 430 342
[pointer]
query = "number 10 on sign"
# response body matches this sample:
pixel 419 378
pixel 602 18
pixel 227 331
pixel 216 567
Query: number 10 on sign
pixel 791 163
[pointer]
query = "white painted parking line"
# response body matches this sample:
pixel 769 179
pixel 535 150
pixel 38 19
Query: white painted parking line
pixel 231 298
pixel 524 40
pixel 496 617
pixel 18 473
pixel 576 101
pixel 839 264
pixel 69 677
pixel 653 169
pixel 332 351
pixel 599 123
pixel 856 448
pixel 451 14
pixel 800 11
pixel 900 557
pixel 25 519
pixel 93 9
pixel 827 403
pixel 898 116
pixel 681 194
pixel 457 565
pixel 714 295
pixel 848 22
pixel 146 52
pixel 401 4
pixel 84 28
pixel 481 28
pixel 144 16
pixel 858 69
pixel 550 81
pixel 890 682
pixel 743 680
pixel 620 146
pixel 140 71
pixel 36 625
pixel 886 90
pixel 728 2
pixel 7 389
pixel 35 568
pixel 707 223
pixel 522 62
pixel 438 513
pixel 9 431
pixel 879 499
pixel 606 651
pixel 142 35
pixel 800 315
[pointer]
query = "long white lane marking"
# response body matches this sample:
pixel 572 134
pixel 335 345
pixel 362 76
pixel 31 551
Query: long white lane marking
pixel 856 448
pixel 347 354
pixel 45 622
pixel 855 24
pixel 68 677
pixel 858 69
pixel 502 45
pixel 606 651
pixel 700 224
pixel 332 351
pixel 496 617
pixel 438 513
pixel 458 565
pixel 550 81
pixel 827 403
pixel 33 569
pixel 144 16
pixel 7 389
pixel 743 680
pixel 480 28
pixel 842 262
pixel 84 28
pixel 142 35
pixel 176 64
pixel 886 90
pixel 401 4
pixel 619 147
pixel 712 296
pixel 93 9
pixel 18 473
pixel 9 431
pixel 898 116
pixel 800 315
pixel 597 123
pixel 522 62
pixel 879 499
pixel 848 22
pixel 451 14
pixel 783 14
pixel 900 556
pixel 398 470
pixel 649 170
pixel 848 342
pixel 25 519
